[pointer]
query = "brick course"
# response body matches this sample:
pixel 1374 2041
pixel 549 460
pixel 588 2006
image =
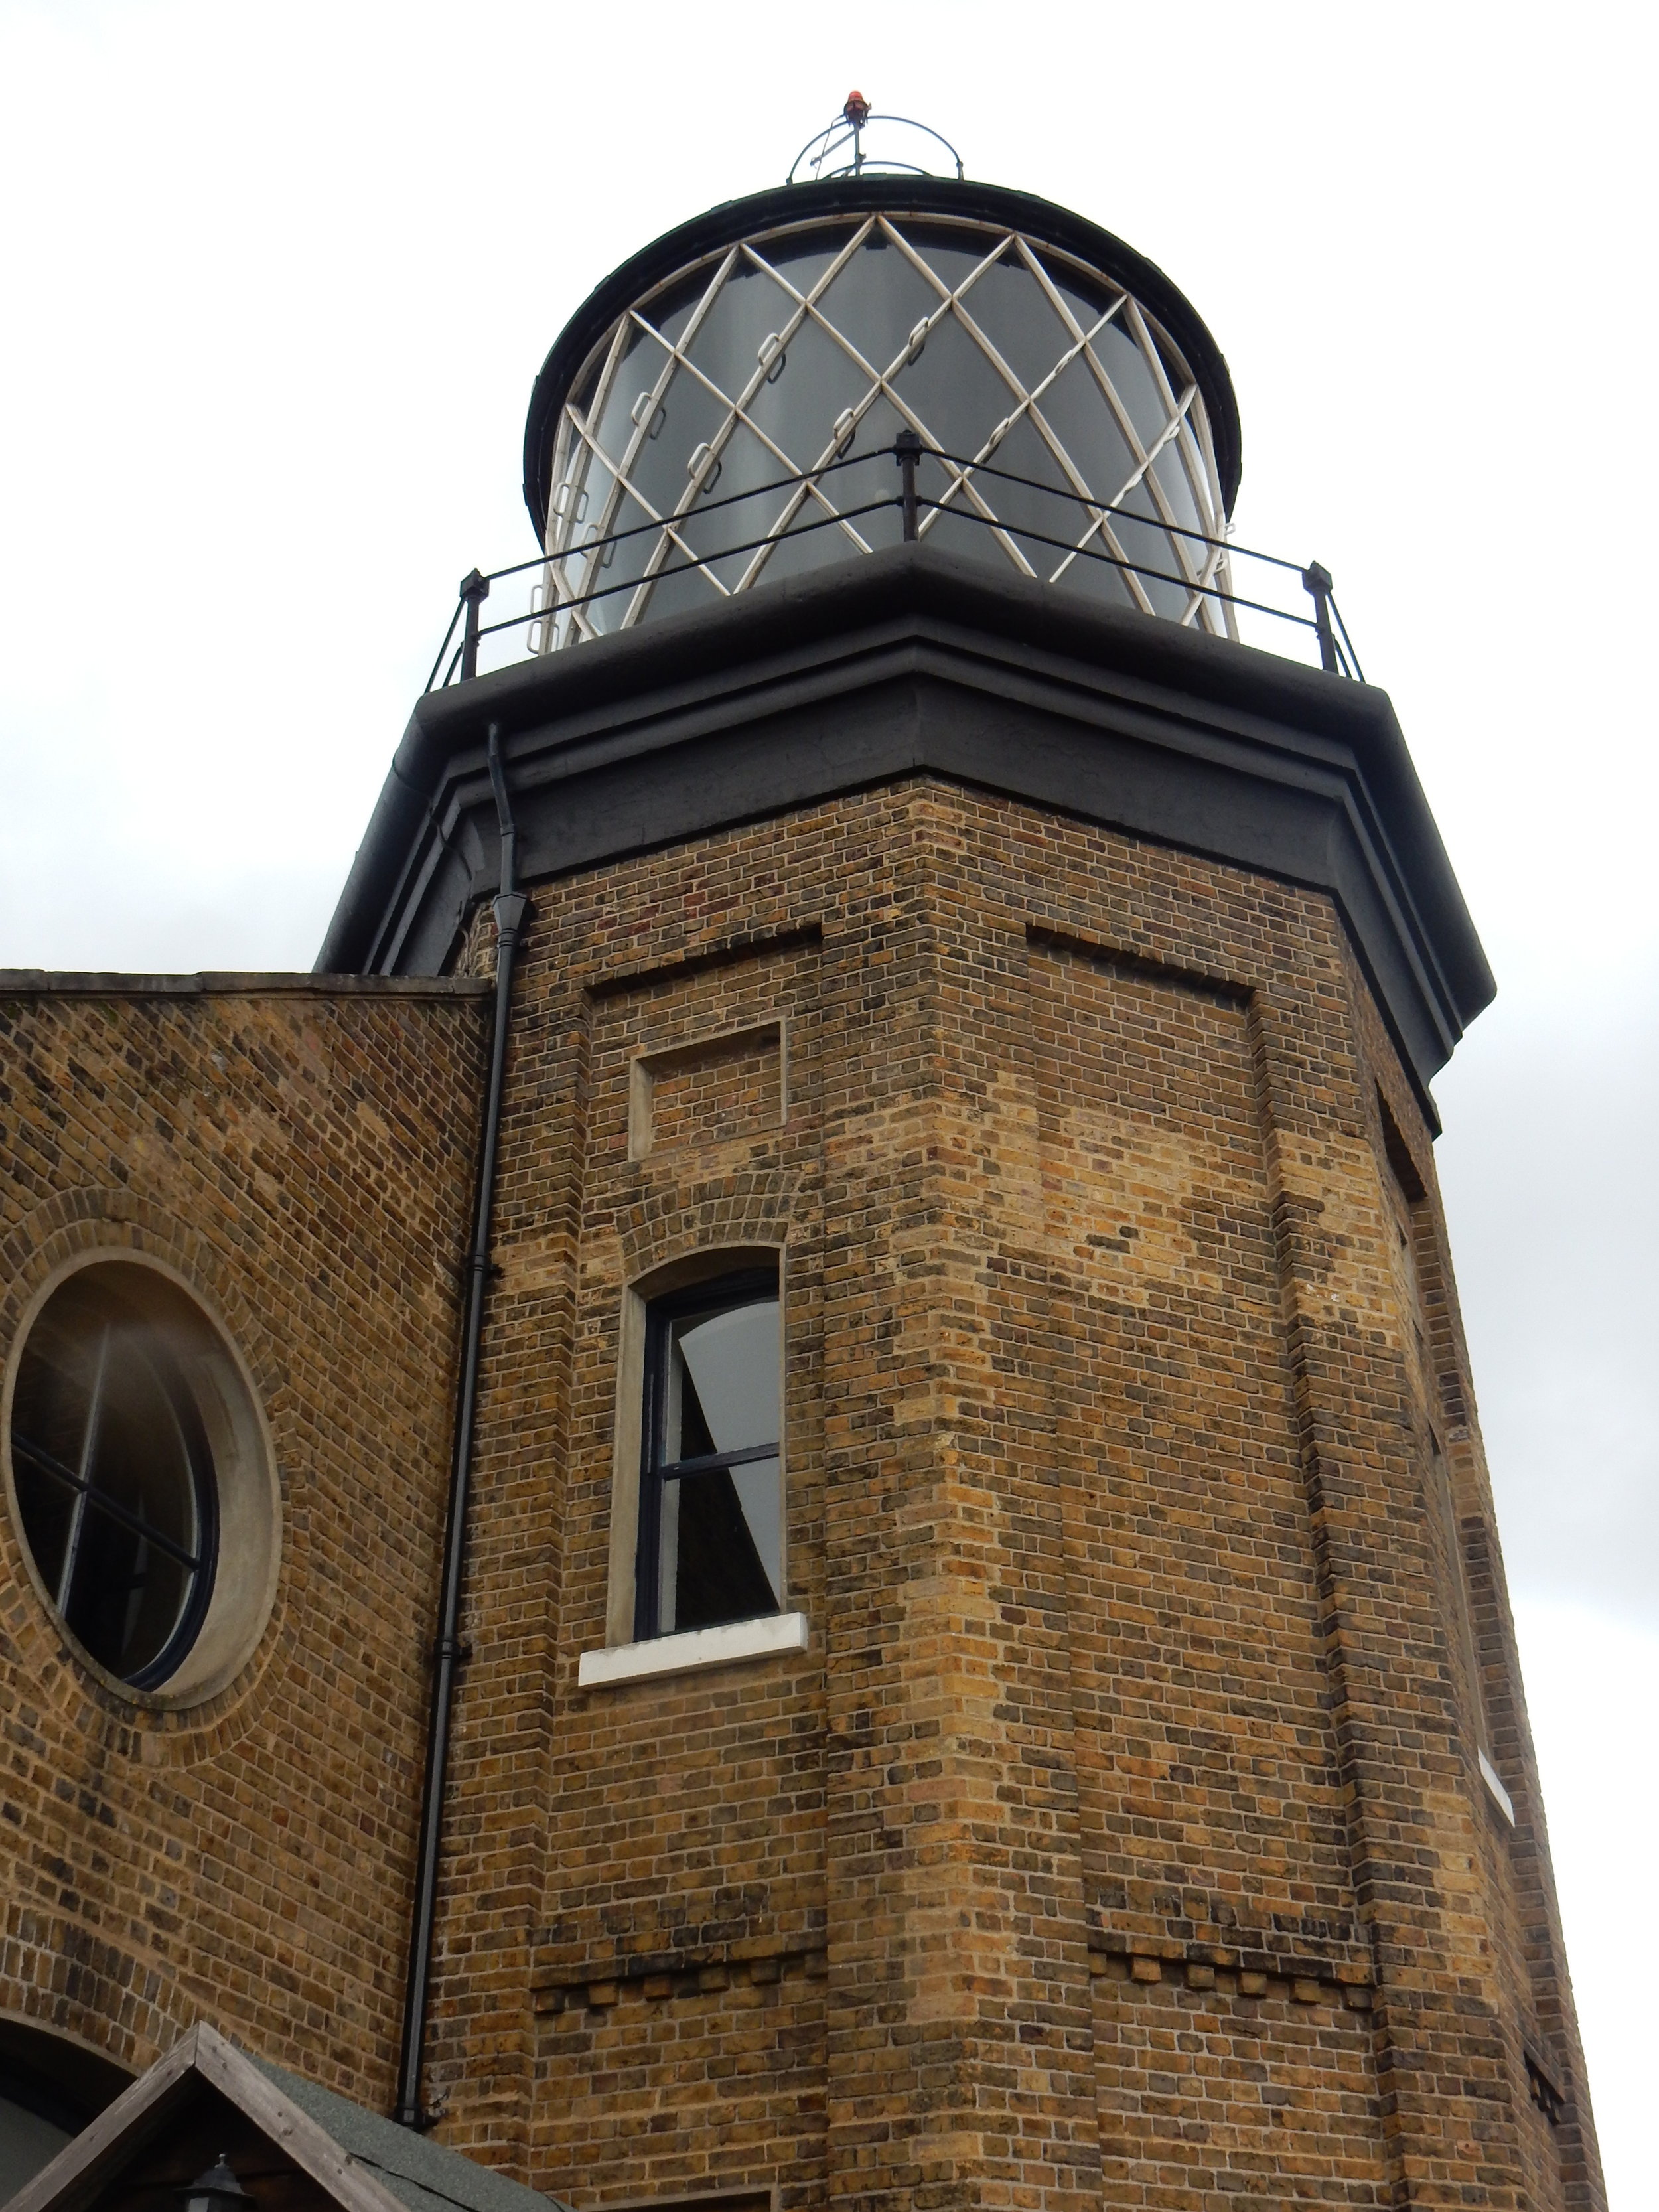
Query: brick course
pixel 1120 1836
pixel 303 1159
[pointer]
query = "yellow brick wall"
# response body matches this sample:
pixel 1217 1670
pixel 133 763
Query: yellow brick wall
pixel 1130 1731
pixel 1118 1838
pixel 305 1162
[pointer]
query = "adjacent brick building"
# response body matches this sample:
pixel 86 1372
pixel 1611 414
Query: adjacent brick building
pixel 1128 1800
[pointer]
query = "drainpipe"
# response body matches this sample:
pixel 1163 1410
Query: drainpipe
pixel 511 906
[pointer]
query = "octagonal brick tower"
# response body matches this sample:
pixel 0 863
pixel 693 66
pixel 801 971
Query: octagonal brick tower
pixel 1116 1788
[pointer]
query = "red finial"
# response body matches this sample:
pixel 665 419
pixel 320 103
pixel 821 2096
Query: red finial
pixel 857 110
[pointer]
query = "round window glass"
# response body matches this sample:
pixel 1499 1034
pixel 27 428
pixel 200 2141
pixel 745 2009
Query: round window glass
pixel 115 1469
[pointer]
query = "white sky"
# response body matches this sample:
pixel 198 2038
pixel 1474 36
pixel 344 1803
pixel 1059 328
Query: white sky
pixel 275 283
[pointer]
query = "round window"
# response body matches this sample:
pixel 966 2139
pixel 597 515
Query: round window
pixel 133 1437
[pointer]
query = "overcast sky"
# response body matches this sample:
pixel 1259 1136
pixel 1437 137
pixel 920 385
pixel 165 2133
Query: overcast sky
pixel 276 281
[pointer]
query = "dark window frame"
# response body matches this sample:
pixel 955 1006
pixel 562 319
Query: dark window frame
pixel 739 1286
pixel 82 1485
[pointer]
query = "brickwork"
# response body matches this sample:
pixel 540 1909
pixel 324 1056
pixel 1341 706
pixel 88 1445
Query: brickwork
pixel 1529 1995
pixel 706 1094
pixel 1133 1723
pixel 1119 1839
pixel 302 1157
pixel 586 1902
pixel 1231 2084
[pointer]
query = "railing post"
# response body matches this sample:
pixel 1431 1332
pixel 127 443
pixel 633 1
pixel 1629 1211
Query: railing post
pixel 474 591
pixel 907 451
pixel 1317 581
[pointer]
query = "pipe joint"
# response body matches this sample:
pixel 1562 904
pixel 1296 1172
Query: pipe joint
pixel 510 909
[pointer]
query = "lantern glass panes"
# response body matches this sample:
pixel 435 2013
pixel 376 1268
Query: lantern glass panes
pixel 802 354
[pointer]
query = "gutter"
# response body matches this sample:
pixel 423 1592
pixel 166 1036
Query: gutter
pixel 615 691
pixel 511 907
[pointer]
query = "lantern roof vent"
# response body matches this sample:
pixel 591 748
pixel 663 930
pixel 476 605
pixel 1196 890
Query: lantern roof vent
pixel 903 147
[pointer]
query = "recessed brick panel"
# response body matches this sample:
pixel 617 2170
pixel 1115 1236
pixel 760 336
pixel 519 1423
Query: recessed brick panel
pixel 712 1090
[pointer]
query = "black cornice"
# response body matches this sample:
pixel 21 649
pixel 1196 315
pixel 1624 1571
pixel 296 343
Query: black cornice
pixel 969 201
pixel 903 662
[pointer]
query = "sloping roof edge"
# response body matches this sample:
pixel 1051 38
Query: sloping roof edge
pixel 362 2162
pixel 421 2173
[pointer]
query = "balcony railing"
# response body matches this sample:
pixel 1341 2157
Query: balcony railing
pixel 557 583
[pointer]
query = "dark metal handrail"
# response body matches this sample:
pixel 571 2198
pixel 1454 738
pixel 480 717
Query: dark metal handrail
pixel 696 560
pixel 1336 649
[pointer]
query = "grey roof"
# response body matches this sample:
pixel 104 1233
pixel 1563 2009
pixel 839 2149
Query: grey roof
pixel 421 2173
pixel 363 2162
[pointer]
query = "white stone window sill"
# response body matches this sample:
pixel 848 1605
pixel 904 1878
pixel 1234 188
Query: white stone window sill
pixel 691 1653
pixel 1501 1797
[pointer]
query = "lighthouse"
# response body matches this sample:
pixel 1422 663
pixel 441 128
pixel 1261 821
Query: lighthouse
pixel 831 1322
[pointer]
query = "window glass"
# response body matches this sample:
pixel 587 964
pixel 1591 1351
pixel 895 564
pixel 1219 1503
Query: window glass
pixel 26 2143
pixel 711 1521
pixel 113 1475
pixel 49 2092
pixel 777 396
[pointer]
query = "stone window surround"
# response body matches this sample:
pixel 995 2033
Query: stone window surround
pixel 250 1503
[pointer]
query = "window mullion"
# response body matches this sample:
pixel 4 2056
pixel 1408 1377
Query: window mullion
pixel 646 1599
pixel 145 1530
pixel 89 1451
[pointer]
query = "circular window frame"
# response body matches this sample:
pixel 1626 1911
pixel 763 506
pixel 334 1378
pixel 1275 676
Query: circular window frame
pixel 247 1494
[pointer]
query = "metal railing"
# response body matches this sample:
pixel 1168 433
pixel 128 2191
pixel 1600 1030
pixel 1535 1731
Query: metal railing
pixel 457 661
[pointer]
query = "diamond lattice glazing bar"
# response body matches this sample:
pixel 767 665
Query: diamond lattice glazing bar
pixel 784 355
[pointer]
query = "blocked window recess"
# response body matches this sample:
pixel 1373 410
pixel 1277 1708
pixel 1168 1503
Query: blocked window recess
pixel 1544 2090
pixel 1400 1152
pixel 734 1083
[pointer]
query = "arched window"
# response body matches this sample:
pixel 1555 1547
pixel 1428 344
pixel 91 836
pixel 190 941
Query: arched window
pixel 711 1492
